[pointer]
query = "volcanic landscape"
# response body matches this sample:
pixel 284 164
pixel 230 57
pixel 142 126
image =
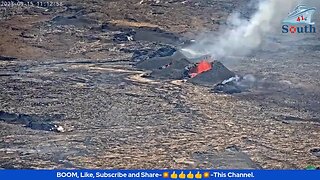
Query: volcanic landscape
pixel 103 84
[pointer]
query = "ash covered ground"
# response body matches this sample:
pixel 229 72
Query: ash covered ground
pixel 71 97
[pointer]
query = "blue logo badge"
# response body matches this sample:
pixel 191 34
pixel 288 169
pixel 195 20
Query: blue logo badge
pixel 301 15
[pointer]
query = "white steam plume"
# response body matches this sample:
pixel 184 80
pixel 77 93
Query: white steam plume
pixel 245 35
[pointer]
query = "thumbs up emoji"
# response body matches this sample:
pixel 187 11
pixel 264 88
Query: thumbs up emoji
pixel 190 175
pixel 198 175
pixel 174 175
pixel 182 175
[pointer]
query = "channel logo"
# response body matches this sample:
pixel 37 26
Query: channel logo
pixel 300 20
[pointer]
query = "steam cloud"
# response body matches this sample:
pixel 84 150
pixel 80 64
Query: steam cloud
pixel 244 35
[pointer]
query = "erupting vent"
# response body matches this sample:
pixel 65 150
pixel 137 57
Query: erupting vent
pixel 203 66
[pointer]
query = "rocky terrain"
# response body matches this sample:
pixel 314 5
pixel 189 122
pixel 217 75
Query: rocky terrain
pixel 71 96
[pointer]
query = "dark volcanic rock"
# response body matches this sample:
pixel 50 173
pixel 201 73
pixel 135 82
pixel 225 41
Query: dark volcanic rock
pixel 216 75
pixel 231 158
pixel 148 34
pixel 73 21
pixel 8 117
pixel 293 119
pixel 175 67
pixel 7 58
pixel 44 126
pixel 156 35
pixel 174 70
pixel 32 121
pixel 168 67
pixel 229 88
pixel 141 55
pixel 109 27
pixel 315 152
pixel 159 61
pixel 163 65
pixel 123 37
